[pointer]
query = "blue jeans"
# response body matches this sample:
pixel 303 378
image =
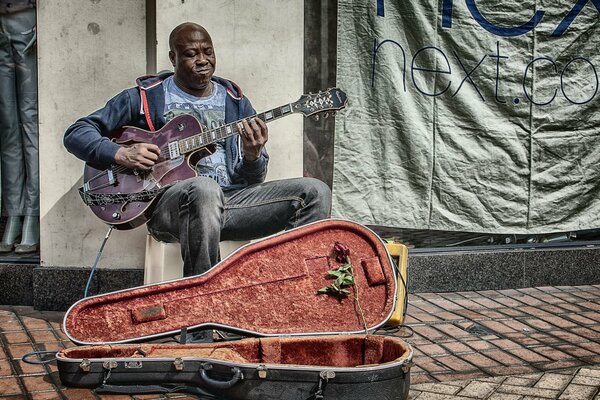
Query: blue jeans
pixel 18 114
pixel 198 214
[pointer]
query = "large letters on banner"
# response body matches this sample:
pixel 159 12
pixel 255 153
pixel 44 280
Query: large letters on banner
pixel 472 115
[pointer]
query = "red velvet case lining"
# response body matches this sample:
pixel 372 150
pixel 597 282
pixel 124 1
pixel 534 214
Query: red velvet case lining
pixel 268 287
pixel 325 351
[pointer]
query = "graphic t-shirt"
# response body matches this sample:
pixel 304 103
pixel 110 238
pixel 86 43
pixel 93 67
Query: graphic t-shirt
pixel 210 111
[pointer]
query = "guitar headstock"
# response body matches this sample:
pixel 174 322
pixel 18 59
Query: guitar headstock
pixel 329 100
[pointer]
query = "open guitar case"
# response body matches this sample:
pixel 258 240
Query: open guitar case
pixel 302 345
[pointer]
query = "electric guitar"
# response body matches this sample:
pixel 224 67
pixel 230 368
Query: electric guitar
pixel 120 196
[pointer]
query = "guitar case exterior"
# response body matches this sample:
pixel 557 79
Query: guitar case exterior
pixel 310 297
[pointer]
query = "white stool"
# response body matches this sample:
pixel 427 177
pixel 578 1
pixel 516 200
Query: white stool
pixel 163 260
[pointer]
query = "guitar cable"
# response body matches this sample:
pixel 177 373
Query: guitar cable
pixel 27 357
pixel 87 285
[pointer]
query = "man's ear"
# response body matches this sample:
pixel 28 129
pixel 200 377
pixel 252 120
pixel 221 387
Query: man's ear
pixel 172 57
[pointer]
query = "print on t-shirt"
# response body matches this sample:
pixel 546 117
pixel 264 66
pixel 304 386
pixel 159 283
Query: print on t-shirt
pixel 210 111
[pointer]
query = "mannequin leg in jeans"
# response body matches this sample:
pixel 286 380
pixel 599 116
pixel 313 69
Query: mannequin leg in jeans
pixel 19 133
pixel 198 214
pixel 11 144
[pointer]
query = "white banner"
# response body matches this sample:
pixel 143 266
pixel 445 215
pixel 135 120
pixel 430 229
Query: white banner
pixel 472 115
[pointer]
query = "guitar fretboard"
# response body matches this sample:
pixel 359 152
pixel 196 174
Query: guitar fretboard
pixel 203 139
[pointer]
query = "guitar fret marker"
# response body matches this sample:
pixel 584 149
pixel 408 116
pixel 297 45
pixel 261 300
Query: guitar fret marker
pixel 269 116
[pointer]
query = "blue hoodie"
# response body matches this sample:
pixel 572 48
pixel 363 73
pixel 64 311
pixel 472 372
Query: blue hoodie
pixel 89 137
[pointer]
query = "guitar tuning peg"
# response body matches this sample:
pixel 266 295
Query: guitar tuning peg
pixel 316 117
pixel 326 115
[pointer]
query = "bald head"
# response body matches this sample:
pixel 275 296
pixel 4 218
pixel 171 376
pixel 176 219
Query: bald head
pixel 183 30
pixel 193 58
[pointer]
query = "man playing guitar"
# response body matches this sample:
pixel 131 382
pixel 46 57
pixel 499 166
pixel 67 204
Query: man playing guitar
pixel 229 199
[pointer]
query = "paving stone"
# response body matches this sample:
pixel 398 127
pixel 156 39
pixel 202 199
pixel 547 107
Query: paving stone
pixel 493 379
pixel 421 378
pixel 441 388
pixel 552 353
pixel 452 330
pixel 502 357
pixel 49 395
pixel 575 351
pixel 478 390
pixel 412 395
pixel 528 381
pixel 448 316
pixel 586 380
pixel 505 344
pixel 528 391
pixel 479 360
pixel 460 376
pixel 34 323
pixel 15 337
pixel 9 386
pixel 80 394
pixel 553 381
pixel 5 369
pixel 37 383
pixel 457 347
pixel 480 345
pixel 455 363
pixel 511 370
pixel 446 304
pixel 504 396
pixel 24 368
pixel 528 355
pixel 433 349
pixel 555 365
pixel 586 332
pixel 593 372
pixel 578 392
pixel 437 396
pixel 43 336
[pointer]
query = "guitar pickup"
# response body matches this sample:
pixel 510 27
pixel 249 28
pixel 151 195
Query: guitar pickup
pixel 174 150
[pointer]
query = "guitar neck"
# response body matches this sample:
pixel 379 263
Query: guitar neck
pixel 211 136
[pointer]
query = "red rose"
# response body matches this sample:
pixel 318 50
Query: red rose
pixel 341 252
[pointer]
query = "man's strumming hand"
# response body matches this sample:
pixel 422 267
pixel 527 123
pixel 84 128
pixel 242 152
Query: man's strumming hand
pixel 138 156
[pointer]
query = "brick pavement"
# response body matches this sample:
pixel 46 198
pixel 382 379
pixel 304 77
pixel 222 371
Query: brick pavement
pixel 525 344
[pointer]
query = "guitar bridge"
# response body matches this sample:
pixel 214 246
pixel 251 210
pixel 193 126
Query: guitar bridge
pixel 174 150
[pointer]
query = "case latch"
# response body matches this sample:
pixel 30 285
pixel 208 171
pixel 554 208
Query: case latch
pixel 109 364
pixel 262 371
pixel 407 366
pixel 133 364
pixel 85 365
pixel 178 363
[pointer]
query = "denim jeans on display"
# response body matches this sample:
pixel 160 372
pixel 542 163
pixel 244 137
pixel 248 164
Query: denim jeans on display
pixel 19 114
pixel 198 214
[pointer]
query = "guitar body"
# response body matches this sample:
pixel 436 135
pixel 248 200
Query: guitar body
pixel 120 180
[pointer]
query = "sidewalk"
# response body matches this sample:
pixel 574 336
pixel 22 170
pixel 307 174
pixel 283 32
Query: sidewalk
pixel 526 344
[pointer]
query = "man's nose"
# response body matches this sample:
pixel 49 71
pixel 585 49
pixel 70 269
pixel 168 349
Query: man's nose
pixel 201 59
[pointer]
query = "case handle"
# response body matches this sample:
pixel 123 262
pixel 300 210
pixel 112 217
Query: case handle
pixel 215 384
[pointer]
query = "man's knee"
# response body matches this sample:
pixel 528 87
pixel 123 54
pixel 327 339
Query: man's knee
pixel 319 195
pixel 202 190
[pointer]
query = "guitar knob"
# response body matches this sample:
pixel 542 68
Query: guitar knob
pixel 116 216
